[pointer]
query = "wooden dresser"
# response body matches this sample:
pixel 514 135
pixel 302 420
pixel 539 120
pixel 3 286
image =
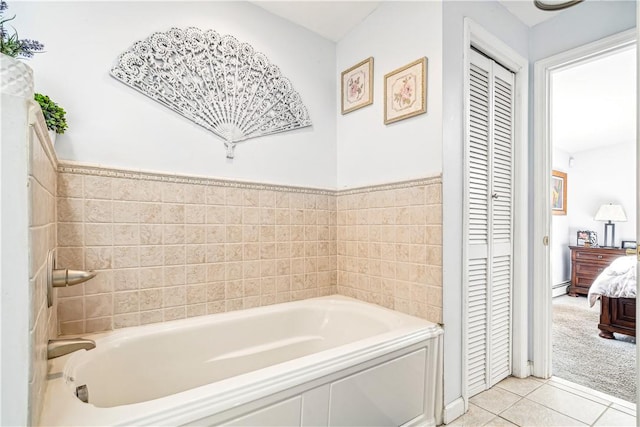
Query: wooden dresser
pixel 587 264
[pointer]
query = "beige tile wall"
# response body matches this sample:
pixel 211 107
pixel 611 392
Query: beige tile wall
pixel 390 246
pixel 42 235
pixel 170 247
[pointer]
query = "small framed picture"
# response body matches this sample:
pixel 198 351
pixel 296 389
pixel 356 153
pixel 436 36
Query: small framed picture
pixel 357 86
pixel 587 238
pixel 405 91
pixel 629 244
pixel 558 193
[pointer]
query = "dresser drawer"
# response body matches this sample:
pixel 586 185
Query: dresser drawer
pixel 587 264
pixel 590 270
pixel 594 257
pixel 583 283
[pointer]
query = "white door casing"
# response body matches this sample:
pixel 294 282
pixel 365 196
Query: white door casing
pixel 542 346
pixel 637 199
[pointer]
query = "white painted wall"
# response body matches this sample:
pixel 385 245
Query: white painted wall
pixel 497 20
pixel 113 125
pixel 560 254
pixel 14 283
pixel 595 181
pixel 600 176
pixel 370 152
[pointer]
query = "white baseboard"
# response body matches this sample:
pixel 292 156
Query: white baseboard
pixel 526 372
pixel 453 410
pixel 559 289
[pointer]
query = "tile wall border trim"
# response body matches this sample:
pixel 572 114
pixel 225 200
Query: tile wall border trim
pixel 86 169
pixel 40 127
pixel 66 166
pixel 437 179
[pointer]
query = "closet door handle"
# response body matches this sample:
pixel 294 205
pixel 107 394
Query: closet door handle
pixel 599 256
pixel 494 196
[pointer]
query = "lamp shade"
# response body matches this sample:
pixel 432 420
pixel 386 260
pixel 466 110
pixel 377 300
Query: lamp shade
pixel 611 212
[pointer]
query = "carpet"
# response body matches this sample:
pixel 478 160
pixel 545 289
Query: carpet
pixel 582 357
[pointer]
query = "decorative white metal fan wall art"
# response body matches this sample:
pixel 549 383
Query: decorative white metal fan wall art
pixel 216 81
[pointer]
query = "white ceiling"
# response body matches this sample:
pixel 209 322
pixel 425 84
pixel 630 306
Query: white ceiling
pixel 333 19
pixel 594 103
pixel 330 19
pixel 526 12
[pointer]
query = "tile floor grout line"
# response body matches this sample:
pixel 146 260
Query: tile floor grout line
pixel 585 395
pixel 607 406
pixel 520 398
pixel 507 420
pixel 498 413
pixel 567 415
pixel 592 394
pixel 589 392
pixel 502 418
pixel 558 412
pixel 597 419
pixel 613 409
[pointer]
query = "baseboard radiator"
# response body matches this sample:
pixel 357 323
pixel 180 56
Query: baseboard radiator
pixel 560 289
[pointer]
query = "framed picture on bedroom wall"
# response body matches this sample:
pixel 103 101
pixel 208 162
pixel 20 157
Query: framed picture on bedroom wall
pixel 558 193
pixel 628 244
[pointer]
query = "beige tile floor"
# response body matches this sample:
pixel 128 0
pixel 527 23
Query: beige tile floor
pixel 554 402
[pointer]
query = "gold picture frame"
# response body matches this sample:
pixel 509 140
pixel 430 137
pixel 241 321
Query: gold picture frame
pixel 405 91
pixel 357 86
pixel 558 193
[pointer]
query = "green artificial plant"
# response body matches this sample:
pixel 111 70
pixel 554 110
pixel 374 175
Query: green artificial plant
pixel 54 115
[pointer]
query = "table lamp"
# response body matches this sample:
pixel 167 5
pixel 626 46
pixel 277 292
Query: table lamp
pixel 610 212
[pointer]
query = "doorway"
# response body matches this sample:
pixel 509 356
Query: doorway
pixel 593 162
pixel 552 252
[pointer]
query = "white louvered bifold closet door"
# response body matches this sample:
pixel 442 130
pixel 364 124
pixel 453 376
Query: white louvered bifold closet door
pixel 489 154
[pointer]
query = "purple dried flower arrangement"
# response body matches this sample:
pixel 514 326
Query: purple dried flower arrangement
pixel 13 46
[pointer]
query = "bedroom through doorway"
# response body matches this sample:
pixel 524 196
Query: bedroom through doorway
pixel 593 158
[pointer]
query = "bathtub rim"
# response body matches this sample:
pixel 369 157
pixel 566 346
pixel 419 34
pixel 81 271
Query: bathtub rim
pixel 139 330
pixel 218 397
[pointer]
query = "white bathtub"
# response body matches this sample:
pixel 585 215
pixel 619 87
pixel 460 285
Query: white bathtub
pixel 322 361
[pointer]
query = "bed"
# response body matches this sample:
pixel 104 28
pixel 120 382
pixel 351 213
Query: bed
pixel 616 289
